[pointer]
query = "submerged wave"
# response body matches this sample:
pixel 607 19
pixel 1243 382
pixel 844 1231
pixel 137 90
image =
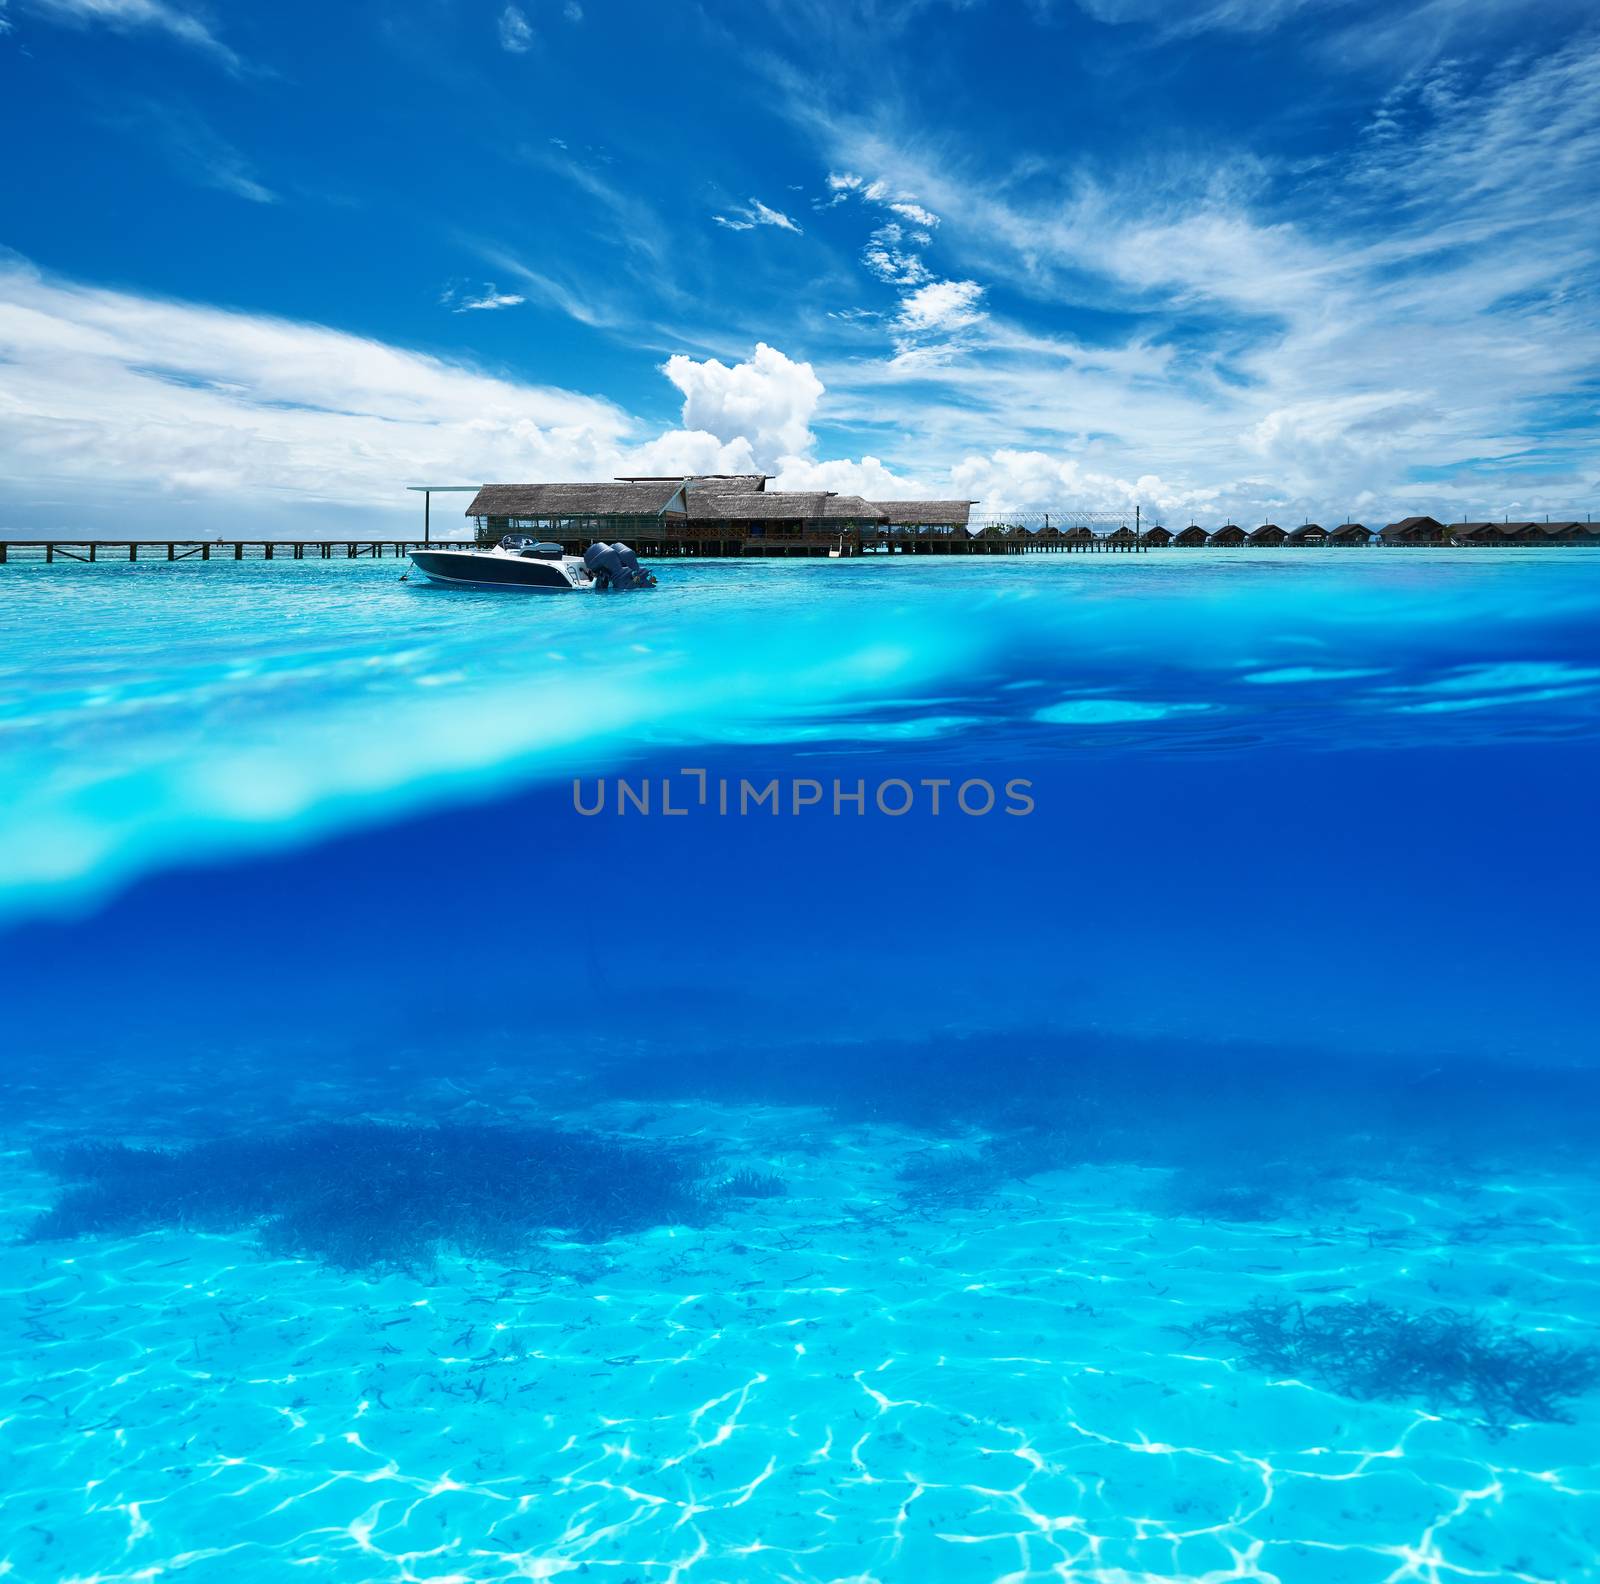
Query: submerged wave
pixel 158 715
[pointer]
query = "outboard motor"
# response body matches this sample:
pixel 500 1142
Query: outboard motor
pixel 615 566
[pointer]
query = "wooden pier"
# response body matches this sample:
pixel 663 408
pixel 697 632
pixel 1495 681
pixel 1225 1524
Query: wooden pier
pixel 684 539
pixel 666 546
pixel 204 549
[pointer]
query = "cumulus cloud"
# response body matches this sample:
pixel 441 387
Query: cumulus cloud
pixel 142 412
pixel 768 400
pixel 748 216
pixel 516 33
pixel 133 14
pixel 869 478
pixel 682 452
pixel 1010 480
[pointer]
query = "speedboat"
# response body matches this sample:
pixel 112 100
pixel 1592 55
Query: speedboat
pixel 521 562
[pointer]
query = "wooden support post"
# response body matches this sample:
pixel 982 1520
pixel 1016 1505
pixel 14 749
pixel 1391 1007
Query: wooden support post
pixel 268 548
pixel 205 551
pixel 49 554
pixel 172 554
pixel 133 552
pixel 91 550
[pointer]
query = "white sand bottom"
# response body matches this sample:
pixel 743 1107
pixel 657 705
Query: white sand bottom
pixel 832 1385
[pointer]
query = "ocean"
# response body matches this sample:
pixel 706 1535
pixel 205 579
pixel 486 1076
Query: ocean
pixel 906 1069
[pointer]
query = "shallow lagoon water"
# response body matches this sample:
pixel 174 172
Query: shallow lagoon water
pixel 1278 994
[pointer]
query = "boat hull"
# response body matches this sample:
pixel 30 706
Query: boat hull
pixel 479 569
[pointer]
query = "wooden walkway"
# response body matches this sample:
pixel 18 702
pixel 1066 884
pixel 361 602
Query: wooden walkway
pixel 666 547
pixel 204 549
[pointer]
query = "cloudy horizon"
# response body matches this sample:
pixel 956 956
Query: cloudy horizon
pixel 1042 255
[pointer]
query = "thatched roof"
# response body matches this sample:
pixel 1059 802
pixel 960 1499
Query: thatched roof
pixel 724 481
pixel 1408 525
pixel 776 506
pixel 578 500
pixel 1305 530
pixel 837 508
pixel 927 513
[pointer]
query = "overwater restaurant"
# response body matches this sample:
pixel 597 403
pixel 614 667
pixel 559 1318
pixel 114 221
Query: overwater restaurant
pixel 718 514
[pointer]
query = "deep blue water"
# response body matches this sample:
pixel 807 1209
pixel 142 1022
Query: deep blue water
pixel 1281 993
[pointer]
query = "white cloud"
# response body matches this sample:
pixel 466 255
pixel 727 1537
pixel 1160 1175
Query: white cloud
pixel 132 14
pixel 1410 323
pixel 490 299
pixel 754 214
pixel 941 307
pixel 681 452
pixel 516 34
pixel 572 11
pixel 916 214
pixel 768 400
pixel 869 478
pixel 142 407
pixel 886 258
pixel 1033 481
pixel 160 416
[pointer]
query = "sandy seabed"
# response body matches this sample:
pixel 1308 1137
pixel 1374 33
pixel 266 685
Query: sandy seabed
pixel 838 1384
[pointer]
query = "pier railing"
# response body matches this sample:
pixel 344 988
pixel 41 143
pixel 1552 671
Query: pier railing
pixel 670 540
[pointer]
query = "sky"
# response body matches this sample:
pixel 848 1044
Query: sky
pixel 261 267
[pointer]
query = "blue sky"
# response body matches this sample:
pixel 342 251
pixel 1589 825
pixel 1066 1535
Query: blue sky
pixel 265 265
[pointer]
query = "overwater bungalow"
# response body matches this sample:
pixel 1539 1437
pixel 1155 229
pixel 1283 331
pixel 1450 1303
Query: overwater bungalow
pixel 1269 534
pixel 717 514
pixel 1307 534
pixel 1414 531
pixel 1350 534
pixel 1570 533
pixel 1078 535
pixel 622 509
pixel 922 518
pixel 1230 534
pixel 1193 535
pixel 1157 536
pixel 1489 533
pixel 1123 536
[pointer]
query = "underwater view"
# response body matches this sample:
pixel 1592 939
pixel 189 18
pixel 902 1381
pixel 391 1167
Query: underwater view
pixel 934 1069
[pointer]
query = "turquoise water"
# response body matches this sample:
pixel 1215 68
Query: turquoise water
pixel 812 1192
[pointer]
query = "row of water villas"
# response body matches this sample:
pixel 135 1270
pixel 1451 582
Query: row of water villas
pixel 736 514
pixel 1410 531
